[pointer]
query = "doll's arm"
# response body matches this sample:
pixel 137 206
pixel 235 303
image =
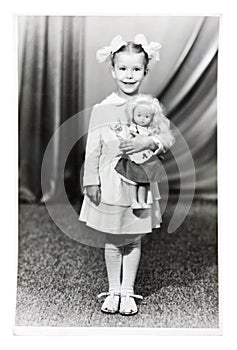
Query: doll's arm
pixel 93 151
pixel 133 130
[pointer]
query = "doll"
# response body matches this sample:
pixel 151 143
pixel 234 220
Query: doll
pixel 145 117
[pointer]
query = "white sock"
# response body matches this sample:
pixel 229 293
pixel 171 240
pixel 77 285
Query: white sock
pixel 113 260
pixel 131 259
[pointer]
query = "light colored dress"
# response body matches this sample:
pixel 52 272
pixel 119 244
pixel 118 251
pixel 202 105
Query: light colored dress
pixel 114 213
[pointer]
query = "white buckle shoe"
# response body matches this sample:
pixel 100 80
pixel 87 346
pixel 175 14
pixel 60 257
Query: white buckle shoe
pixel 127 303
pixel 111 303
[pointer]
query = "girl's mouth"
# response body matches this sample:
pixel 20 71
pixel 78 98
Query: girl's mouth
pixel 129 83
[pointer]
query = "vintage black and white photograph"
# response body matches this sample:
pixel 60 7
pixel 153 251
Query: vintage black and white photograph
pixel 118 173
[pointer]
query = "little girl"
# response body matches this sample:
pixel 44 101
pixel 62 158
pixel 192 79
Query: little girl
pixel 145 117
pixel 107 204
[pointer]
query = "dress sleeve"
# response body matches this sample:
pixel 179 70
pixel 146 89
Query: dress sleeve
pixel 93 151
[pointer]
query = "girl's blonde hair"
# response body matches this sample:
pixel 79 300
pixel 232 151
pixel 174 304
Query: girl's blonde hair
pixel 160 124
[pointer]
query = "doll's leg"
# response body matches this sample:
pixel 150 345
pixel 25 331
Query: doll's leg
pixel 141 194
pixel 142 190
pixel 133 189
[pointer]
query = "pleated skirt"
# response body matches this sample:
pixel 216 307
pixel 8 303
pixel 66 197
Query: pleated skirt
pixel 117 219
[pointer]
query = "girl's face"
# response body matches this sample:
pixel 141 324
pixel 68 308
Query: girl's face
pixel 142 115
pixel 128 72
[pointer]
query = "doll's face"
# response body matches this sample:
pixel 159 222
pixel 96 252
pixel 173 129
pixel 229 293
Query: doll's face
pixel 142 115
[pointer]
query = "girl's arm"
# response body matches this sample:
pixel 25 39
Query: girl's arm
pixel 139 143
pixel 91 180
pixel 163 141
pixel 156 143
pixel 94 193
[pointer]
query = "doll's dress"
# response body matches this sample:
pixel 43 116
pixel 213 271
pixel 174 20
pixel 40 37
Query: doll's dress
pixel 142 167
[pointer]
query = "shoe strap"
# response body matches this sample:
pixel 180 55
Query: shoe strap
pixel 105 294
pixel 136 296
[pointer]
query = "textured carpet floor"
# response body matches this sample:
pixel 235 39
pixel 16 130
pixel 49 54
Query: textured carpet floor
pixel 58 278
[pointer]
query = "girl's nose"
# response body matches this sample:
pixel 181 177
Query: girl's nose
pixel 129 73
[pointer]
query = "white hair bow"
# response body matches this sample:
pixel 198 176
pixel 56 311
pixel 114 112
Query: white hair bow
pixel 104 54
pixel 152 49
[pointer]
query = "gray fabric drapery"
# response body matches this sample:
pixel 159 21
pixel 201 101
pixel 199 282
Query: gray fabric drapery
pixel 52 85
pixel 190 97
pixel 50 91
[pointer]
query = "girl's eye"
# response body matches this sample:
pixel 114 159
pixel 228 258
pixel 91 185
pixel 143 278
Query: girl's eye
pixel 137 69
pixel 147 116
pixel 122 68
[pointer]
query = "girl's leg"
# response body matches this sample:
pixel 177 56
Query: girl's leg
pixel 113 261
pixel 133 189
pixel 142 190
pixel 131 259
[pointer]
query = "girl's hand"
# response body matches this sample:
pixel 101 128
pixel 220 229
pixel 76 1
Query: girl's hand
pixel 137 144
pixel 93 192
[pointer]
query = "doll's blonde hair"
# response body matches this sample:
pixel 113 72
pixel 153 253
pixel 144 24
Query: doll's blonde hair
pixel 160 124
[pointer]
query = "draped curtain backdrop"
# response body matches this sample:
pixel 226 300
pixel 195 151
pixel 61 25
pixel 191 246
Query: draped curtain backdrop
pixel 59 77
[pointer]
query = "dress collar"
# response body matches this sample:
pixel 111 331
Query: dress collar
pixel 114 99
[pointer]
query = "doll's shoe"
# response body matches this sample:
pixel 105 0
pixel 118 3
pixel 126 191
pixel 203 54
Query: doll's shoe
pixel 145 205
pixel 136 205
pixel 111 303
pixel 127 303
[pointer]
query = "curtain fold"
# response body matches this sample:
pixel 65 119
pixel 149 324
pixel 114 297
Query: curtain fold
pixel 181 57
pixel 51 91
pixel 195 117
